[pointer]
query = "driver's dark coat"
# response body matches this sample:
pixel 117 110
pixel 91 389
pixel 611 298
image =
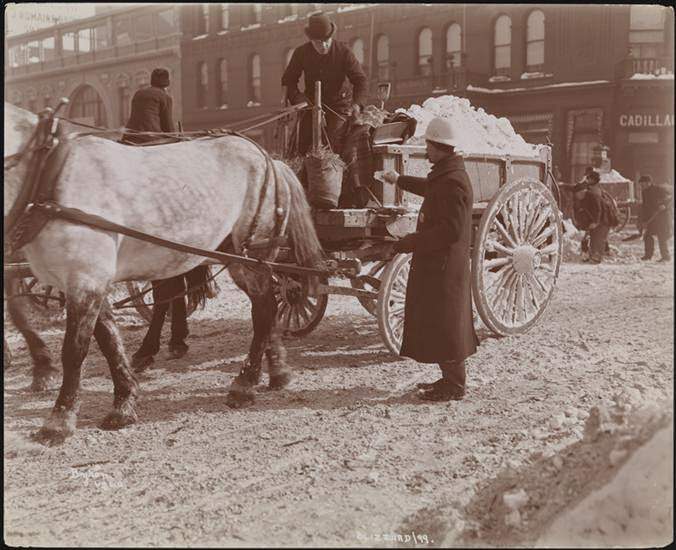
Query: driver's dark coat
pixel 438 322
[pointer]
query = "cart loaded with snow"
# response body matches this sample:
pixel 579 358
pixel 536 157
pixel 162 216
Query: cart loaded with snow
pixel 517 244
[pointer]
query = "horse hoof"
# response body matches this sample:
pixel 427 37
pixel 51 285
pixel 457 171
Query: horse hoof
pixel 140 364
pixel 117 419
pixel 59 426
pixel 178 351
pixel 45 381
pixel 239 400
pixel 279 380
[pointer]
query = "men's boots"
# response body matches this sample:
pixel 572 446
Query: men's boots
pixel 450 387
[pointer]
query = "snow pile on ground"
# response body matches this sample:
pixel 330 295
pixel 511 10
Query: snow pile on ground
pixel 479 132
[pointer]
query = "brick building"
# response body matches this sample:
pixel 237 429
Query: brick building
pixel 563 73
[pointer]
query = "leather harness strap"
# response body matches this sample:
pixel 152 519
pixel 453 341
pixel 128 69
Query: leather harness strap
pixel 78 216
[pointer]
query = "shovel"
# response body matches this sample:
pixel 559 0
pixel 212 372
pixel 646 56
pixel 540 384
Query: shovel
pixel 640 233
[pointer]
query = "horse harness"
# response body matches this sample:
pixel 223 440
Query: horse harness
pixel 35 205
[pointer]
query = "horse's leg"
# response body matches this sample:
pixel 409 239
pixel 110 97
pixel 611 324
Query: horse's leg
pixel 82 311
pixel 151 342
pixel 125 385
pixel 179 328
pixel 241 392
pixel 44 373
pixel 280 373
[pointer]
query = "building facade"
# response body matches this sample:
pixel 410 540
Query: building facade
pixel 97 62
pixel 577 76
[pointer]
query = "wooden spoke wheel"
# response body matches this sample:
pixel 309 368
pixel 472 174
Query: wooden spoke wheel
pixel 372 283
pixel 298 313
pixel 392 300
pixel 143 303
pixel 623 215
pixel 516 257
pixel 44 296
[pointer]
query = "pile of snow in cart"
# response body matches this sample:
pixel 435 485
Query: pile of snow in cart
pixel 479 132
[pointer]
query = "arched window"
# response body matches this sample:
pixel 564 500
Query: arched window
pixel 202 85
pixel 202 19
pixel 383 57
pixel 535 41
pixel 502 43
pixel 358 49
pixel 453 46
pixel 255 79
pixel 223 83
pixel 87 106
pixel 256 13
pixel 425 52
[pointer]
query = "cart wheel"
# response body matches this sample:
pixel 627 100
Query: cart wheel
pixel 297 313
pixel 144 304
pixel 370 282
pixel 516 257
pixel 391 301
pixel 44 296
pixel 624 215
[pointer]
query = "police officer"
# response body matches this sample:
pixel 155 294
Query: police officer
pixel 438 321
pixel 332 63
pixel 655 218
pixel 151 109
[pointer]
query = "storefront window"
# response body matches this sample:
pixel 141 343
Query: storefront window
pixel 584 131
pixel 17 55
pixel 425 52
pixel 383 57
pixel 535 41
pixel 502 42
pixel 33 49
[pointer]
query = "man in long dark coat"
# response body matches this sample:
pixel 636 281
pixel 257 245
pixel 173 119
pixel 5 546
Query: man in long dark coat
pixel 151 109
pixel 655 218
pixel 344 83
pixel 438 323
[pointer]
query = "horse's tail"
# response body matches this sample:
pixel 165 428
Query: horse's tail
pixel 200 285
pixel 304 241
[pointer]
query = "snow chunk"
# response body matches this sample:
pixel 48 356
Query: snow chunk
pixel 499 78
pixel 515 500
pixel 479 132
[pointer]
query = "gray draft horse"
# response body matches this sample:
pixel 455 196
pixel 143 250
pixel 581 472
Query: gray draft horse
pixel 198 192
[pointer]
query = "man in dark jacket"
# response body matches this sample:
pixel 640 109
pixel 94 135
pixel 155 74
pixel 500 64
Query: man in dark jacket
pixel 438 321
pixel 151 109
pixel 655 218
pixel 590 214
pixel 333 64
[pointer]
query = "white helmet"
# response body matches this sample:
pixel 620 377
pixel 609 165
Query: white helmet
pixel 440 130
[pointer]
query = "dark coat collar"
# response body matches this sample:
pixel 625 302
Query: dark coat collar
pixel 446 166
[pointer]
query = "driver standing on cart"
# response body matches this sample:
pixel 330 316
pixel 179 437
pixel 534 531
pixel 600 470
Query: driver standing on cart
pixel 331 62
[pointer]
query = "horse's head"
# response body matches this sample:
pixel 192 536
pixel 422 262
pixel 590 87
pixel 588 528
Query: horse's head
pixel 19 125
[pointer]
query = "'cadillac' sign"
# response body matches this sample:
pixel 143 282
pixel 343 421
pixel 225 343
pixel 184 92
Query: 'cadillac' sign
pixel 646 121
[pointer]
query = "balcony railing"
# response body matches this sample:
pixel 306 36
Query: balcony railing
pixel 85 58
pixel 649 65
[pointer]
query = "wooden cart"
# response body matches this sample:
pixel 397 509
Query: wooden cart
pixel 516 250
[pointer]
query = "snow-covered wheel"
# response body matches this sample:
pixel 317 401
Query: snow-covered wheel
pixel 298 312
pixel 392 300
pixel 516 257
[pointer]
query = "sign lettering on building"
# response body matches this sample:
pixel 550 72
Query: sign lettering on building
pixel 646 120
